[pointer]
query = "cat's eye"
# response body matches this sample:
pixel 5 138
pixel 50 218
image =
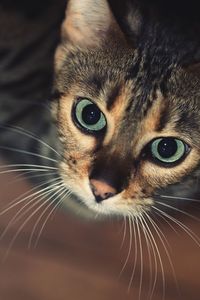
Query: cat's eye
pixel 88 116
pixel 168 150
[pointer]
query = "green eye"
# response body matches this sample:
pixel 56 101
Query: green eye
pixel 88 116
pixel 168 149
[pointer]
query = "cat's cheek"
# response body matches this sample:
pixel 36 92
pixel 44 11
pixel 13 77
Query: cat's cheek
pixel 160 176
pixel 118 206
pixel 75 167
pixel 76 182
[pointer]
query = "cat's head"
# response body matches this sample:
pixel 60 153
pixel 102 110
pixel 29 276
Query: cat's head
pixel 128 115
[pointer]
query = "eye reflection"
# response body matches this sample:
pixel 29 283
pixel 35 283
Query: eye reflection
pixel 88 116
pixel 168 150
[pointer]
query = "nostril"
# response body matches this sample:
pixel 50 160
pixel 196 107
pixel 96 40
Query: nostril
pixel 98 199
pixel 108 195
pixel 102 190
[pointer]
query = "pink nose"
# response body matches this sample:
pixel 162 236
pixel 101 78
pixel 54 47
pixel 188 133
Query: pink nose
pixel 102 190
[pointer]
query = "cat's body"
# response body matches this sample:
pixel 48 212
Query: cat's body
pixel 143 88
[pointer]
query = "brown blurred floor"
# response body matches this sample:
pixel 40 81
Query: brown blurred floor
pixel 77 260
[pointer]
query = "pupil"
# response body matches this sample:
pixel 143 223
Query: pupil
pixel 91 114
pixel 167 147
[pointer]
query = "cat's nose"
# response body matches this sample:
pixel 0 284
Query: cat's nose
pixel 102 190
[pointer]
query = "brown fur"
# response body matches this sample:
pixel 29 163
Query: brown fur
pixel 143 93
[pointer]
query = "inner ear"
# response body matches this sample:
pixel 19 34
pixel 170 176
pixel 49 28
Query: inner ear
pixel 88 23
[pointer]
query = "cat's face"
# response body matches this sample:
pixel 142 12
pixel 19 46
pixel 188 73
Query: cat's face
pixel 128 120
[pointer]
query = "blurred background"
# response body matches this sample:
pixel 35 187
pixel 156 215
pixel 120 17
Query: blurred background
pixel 71 257
pixel 79 259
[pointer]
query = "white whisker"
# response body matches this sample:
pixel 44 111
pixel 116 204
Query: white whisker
pixel 186 229
pixel 179 198
pixel 130 246
pixel 57 193
pixel 32 199
pixel 50 213
pixel 27 152
pixel 149 254
pixel 16 202
pixel 165 219
pixel 135 253
pixel 124 232
pixel 164 243
pixel 155 258
pixel 27 165
pixel 141 256
pixel 158 254
pixel 30 135
pixel 22 226
pixel 178 210
pixel 22 170
pixel 30 175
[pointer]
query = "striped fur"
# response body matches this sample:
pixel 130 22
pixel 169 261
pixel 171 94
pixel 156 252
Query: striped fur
pixel 144 88
pixel 138 70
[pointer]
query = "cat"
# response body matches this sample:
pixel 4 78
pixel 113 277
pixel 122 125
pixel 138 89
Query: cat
pixel 127 110
pixel 121 137
pixel 137 72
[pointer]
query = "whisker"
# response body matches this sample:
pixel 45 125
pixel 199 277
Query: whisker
pixel 29 134
pixel 20 213
pixel 124 233
pixel 135 253
pixel 179 198
pixel 50 213
pixel 27 152
pixel 168 223
pixel 164 242
pixel 45 182
pixel 27 165
pixel 141 256
pixel 178 210
pixel 21 227
pixel 58 192
pixel 186 229
pixel 158 231
pixel 29 175
pixel 22 170
pixel 158 253
pixel 16 202
pixel 40 198
pixel 161 235
pixel 151 292
pixel 130 247
pixel 149 254
pixel 32 199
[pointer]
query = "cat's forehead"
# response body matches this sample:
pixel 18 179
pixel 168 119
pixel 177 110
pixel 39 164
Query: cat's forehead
pixel 128 86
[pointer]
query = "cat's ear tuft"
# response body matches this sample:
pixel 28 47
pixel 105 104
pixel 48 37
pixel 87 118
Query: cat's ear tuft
pixel 88 23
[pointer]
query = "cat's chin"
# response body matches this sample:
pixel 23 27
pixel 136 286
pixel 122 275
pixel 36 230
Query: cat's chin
pixel 114 206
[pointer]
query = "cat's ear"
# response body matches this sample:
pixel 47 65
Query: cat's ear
pixel 88 23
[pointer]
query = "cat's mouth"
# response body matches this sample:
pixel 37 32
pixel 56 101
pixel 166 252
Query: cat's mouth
pixel 103 200
pixel 117 205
